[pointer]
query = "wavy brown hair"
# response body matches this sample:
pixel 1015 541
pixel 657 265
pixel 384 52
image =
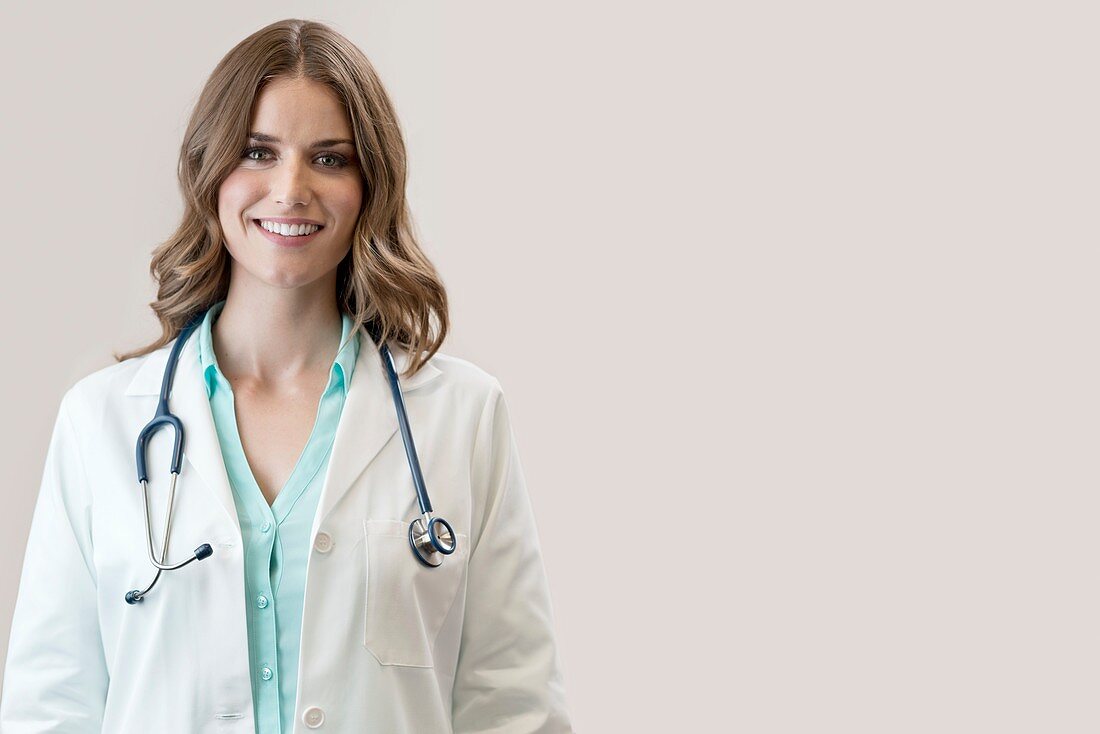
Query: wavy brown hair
pixel 385 283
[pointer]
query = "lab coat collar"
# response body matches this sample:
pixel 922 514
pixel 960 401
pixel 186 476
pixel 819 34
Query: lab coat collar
pixel 368 420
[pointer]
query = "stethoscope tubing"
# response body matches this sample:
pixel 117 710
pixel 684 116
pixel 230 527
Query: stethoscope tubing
pixel 430 535
pixel 426 538
pixel 164 416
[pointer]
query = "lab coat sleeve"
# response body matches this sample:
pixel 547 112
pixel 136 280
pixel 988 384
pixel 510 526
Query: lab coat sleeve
pixel 55 678
pixel 509 678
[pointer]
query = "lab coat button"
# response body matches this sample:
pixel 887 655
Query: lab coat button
pixel 323 543
pixel 313 717
pixel 265 673
pixel 261 601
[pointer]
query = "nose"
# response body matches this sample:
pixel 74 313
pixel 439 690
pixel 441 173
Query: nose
pixel 291 184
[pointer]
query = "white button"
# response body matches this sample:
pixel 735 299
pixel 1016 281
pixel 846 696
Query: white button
pixel 323 543
pixel 313 717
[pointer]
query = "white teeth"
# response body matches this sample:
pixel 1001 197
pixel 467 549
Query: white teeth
pixel 289 230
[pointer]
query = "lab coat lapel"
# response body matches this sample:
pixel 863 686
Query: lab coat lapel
pixel 201 447
pixel 368 420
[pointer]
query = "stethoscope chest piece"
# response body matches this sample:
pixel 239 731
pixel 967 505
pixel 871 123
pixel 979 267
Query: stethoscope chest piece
pixel 431 538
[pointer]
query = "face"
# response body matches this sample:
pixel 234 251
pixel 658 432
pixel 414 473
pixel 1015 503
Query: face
pixel 290 177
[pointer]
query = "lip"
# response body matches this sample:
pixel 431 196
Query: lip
pixel 291 220
pixel 287 241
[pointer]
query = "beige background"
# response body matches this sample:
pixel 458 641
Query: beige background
pixel 794 305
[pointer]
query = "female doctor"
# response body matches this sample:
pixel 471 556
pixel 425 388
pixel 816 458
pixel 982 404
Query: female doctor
pixel 304 592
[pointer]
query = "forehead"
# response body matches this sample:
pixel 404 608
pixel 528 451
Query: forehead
pixel 298 109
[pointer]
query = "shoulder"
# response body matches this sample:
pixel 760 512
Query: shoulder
pixel 464 374
pixel 479 391
pixel 95 390
pixel 466 386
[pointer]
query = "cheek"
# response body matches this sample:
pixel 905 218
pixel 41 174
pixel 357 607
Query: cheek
pixel 347 200
pixel 235 195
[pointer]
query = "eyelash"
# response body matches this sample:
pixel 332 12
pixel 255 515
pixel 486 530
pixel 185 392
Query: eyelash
pixel 342 161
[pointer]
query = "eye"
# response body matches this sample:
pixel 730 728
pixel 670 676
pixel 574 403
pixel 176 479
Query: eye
pixel 249 151
pixel 340 161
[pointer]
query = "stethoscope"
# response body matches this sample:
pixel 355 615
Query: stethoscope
pixel 430 537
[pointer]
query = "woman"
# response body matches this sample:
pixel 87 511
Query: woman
pixel 294 261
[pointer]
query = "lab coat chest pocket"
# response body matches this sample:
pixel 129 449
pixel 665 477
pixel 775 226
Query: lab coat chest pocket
pixel 406 600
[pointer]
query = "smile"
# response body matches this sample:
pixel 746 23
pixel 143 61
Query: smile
pixel 287 240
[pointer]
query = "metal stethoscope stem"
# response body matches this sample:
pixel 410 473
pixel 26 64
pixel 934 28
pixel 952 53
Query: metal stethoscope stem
pixel 164 417
pixel 203 551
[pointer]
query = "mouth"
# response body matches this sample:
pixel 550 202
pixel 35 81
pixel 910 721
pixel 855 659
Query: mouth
pixel 290 241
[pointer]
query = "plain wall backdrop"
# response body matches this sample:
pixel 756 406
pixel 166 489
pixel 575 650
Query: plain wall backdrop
pixel 794 305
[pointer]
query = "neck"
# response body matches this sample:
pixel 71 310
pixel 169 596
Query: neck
pixel 275 337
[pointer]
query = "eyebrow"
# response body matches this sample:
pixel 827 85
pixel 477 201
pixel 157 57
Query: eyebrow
pixel 265 138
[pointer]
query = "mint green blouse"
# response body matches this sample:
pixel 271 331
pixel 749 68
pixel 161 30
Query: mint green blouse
pixel 276 537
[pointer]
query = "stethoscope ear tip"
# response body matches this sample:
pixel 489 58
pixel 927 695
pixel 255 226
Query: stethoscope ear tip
pixel 204 551
pixel 132 597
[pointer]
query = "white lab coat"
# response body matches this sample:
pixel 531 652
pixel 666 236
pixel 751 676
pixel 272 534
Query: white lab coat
pixel 387 644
